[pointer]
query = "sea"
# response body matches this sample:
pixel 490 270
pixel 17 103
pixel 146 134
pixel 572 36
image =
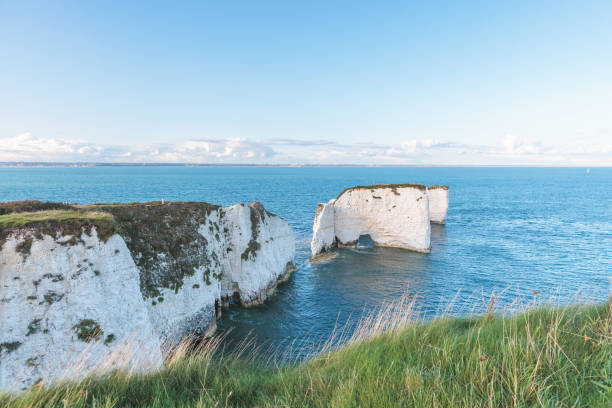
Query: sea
pixel 513 236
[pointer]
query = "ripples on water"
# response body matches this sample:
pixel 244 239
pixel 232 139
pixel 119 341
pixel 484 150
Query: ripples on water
pixel 509 230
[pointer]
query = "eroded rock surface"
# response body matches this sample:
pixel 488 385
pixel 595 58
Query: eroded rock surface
pixel 73 297
pixel 66 308
pixel 392 215
pixel 324 235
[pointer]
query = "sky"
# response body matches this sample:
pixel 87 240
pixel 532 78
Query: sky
pixel 329 82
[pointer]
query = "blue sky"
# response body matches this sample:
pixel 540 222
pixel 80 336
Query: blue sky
pixel 316 82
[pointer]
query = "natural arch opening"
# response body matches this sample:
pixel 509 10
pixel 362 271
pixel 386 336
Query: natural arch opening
pixel 365 241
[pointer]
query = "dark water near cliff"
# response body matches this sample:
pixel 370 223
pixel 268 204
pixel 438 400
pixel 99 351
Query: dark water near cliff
pixel 509 230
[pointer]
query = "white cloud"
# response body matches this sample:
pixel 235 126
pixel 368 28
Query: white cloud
pixel 511 150
pixel 203 151
pixel 519 151
pixel 25 147
pixel 514 146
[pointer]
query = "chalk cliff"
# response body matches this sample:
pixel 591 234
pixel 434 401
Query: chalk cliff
pixel 324 235
pixel 395 215
pixel 65 308
pixel 116 284
pixel 438 203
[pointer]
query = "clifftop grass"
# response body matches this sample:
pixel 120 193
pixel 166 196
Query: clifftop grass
pixel 392 187
pixel 30 206
pixel 25 219
pixel 57 222
pixel 546 357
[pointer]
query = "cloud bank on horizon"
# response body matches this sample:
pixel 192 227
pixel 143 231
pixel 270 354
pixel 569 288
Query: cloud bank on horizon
pixel 509 150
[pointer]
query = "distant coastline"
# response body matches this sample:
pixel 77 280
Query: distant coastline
pixel 93 164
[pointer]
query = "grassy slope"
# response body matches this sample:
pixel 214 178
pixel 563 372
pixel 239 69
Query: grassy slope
pixel 57 221
pixel 53 216
pixel 544 357
pixel 30 206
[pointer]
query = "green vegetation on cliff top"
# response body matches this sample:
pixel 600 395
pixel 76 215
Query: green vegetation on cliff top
pixel 53 218
pixel 24 219
pixel 58 223
pixel 30 206
pixel 545 357
pixel 392 187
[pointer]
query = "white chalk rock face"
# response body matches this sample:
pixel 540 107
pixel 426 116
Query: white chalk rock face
pixel 71 306
pixel 178 250
pixel 323 232
pixel 438 203
pixel 260 248
pixel 66 310
pixel 189 308
pixel 392 215
pixel 214 254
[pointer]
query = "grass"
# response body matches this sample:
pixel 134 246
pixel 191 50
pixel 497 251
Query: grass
pixel 548 357
pixel 51 218
pixel 393 187
pixel 53 222
pixel 30 206
pixel 23 219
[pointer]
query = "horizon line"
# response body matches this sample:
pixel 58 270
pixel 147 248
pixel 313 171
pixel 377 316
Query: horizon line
pixel 152 164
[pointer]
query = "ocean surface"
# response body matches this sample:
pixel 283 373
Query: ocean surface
pixel 509 232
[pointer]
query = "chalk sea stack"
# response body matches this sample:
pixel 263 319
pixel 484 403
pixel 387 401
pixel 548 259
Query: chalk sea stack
pixel 393 215
pixel 438 203
pixel 119 283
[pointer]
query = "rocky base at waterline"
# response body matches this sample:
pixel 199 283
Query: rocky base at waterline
pixel 393 215
pixel 119 283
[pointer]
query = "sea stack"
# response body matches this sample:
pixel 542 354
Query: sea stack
pixel 393 215
pixel 438 203
pixel 120 283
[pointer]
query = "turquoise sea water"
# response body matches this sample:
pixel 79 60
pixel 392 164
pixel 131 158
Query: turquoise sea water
pixel 509 231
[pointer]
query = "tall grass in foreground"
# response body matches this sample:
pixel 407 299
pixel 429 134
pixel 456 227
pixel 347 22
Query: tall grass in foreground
pixel 544 356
